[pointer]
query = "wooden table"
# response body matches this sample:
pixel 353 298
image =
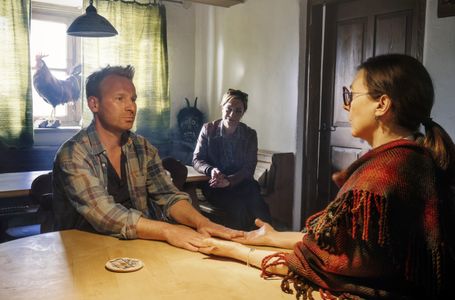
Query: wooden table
pixel 195 176
pixel 17 184
pixel 70 265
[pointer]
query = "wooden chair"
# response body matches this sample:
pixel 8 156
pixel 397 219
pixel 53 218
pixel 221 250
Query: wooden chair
pixel 177 170
pixel 41 191
pixel 41 198
pixel 179 173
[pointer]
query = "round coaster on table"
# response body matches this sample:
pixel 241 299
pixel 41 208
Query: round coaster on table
pixel 124 264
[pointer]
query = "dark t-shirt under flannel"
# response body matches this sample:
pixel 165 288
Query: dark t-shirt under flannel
pixel 118 187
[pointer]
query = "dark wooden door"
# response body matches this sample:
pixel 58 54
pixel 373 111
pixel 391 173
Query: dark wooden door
pixel 342 35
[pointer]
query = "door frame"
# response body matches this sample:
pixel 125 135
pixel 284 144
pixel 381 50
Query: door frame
pixel 312 71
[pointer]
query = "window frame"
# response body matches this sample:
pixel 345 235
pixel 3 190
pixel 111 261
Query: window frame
pixel 66 15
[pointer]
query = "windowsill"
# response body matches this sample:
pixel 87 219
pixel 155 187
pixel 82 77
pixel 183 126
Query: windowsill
pixel 53 136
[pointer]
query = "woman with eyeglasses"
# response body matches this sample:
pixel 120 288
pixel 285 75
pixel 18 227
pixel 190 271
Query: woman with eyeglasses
pixel 226 151
pixel 389 231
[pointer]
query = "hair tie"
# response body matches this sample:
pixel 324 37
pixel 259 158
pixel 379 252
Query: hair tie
pixel 427 122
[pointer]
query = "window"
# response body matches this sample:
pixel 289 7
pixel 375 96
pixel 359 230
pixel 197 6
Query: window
pixel 62 54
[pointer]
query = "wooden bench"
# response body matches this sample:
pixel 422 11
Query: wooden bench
pixel 275 174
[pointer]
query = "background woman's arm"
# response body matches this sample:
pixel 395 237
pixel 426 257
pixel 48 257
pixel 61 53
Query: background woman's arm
pixel 200 154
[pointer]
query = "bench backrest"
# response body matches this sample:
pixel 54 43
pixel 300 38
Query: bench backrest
pixel 275 174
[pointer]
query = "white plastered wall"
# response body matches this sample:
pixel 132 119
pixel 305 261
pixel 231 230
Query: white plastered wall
pixel 439 59
pixel 253 47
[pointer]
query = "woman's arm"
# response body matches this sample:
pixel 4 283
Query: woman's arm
pixel 266 235
pixel 200 154
pixel 237 251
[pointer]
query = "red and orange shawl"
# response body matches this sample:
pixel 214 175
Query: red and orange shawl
pixel 380 237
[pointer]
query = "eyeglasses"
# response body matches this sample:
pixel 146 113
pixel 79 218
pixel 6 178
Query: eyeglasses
pixel 348 96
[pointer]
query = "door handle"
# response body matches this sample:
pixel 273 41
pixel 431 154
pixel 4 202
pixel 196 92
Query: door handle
pixel 324 127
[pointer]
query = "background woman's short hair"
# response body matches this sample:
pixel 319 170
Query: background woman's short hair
pixel 235 94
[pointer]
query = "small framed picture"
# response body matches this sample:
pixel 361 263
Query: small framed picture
pixel 446 8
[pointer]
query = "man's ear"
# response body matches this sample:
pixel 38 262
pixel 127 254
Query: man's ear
pixel 93 103
pixel 384 105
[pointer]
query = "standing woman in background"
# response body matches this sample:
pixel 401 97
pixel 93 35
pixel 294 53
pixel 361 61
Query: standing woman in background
pixel 226 151
pixel 389 232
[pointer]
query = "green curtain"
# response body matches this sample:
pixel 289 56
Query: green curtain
pixel 16 127
pixel 142 43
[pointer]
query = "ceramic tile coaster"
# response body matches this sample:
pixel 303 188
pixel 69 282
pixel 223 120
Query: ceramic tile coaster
pixel 124 264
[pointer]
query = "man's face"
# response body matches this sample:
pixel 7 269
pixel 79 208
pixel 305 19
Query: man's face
pixel 116 110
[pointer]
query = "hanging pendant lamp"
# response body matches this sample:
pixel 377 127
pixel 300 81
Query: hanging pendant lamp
pixel 91 24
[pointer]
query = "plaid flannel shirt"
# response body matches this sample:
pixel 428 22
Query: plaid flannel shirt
pixel 80 184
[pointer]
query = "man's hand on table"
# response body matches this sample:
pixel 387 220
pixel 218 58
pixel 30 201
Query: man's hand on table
pixel 183 237
pixel 208 228
pixel 187 238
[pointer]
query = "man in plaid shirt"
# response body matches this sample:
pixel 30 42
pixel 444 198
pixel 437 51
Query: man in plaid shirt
pixel 110 180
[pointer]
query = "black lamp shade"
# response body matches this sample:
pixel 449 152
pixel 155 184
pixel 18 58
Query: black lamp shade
pixel 91 24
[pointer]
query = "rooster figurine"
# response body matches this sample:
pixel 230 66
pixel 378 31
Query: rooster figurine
pixel 55 91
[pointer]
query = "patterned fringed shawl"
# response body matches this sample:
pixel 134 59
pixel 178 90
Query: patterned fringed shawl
pixel 379 238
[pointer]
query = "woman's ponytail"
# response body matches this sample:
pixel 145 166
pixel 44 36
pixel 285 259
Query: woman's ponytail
pixel 441 146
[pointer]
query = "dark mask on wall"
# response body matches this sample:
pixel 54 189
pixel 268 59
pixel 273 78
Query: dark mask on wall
pixel 190 121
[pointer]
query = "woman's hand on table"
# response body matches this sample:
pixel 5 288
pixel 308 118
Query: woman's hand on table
pixel 266 235
pixel 263 236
